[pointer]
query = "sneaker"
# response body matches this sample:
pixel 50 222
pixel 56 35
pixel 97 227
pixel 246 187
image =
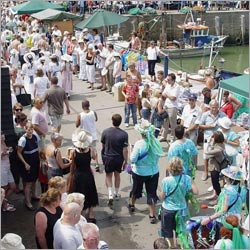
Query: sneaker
pixel 210 189
pixel 213 202
pixel 126 125
pixel 110 202
pixel 131 208
pixel 117 197
pixel 204 177
pixel 152 219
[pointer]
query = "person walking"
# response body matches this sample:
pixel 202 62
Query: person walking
pixel 56 96
pixel 174 207
pixel 114 155
pixel 86 120
pixel 81 175
pixel 145 157
pixel 39 121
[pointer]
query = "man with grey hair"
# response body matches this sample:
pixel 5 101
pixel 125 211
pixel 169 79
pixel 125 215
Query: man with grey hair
pixel 209 123
pixel 66 234
pixel 91 237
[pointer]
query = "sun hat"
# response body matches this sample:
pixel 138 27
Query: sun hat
pixel 104 71
pixel 65 33
pixel 73 38
pixel 11 241
pixel 53 56
pixel 116 54
pixel 34 49
pixel 81 138
pixel 145 127
pixel 66 58
pixel 29 55
pixel 233 172
pixel 80 41
pixel 225 122
pixel 85 30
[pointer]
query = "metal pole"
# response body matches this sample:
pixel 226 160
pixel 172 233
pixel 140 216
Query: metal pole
pixel 165 66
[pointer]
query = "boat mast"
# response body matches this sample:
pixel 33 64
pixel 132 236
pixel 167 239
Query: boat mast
pixel 211 54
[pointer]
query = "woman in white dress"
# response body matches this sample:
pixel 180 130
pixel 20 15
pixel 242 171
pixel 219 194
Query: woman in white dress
pixel 82 51
pixel 55 69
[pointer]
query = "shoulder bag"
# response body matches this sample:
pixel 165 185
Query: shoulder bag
pixel 24 98
pixel 159 211
pixel 158 59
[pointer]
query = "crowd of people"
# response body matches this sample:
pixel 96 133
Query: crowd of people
pixel 43 63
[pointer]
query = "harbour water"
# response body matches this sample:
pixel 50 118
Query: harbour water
pixel 236 60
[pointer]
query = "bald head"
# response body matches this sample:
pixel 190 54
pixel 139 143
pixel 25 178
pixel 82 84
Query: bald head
pixel 72 213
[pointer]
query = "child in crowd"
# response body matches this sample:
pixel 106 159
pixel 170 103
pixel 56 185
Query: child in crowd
pixel 43 172
pixel 146 107
pixel 130 92
pixel 117 68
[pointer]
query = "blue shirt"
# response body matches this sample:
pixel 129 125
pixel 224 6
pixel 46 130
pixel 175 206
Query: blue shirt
pixel 208 119
pixel 183 151
pixel 176 201
pixel 146 166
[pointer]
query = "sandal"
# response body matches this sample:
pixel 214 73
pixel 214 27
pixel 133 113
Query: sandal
pixel 131 208
pixel 89 87
pixel 152 219
pixel 9 208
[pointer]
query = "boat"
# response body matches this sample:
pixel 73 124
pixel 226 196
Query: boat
pixel 196 40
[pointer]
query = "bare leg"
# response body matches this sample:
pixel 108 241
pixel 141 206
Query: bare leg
pixel 27 193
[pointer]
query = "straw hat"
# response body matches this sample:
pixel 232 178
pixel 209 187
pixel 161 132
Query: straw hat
pixel 81 138
pixel 225 122
pixel 11 241
pixel 233 172
pixel 28 56
pixel 66 58
pixel 144 127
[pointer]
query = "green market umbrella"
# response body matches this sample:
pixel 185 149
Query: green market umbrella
pixel 149 10
pixel 135 11
pixel 52 15
pixel 34 6
pixel 102 18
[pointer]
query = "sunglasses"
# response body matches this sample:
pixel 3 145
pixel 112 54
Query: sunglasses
pixel 18 109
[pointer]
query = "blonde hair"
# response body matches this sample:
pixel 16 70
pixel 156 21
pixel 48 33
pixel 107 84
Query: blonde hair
pixel 50 196
pixel 157 93
pixel 57 182
pixel 55 136
pixel 77 198
pixel 175 166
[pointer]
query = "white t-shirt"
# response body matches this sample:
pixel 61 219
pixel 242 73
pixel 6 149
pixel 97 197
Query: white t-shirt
pixel 88 123
pixel 41 84
pixel 66 236
pixel 110 58
pixel 152 52
pixel 189 116
pixel 171 91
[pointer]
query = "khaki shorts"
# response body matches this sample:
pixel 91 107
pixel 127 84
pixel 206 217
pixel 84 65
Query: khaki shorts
pixel 56 121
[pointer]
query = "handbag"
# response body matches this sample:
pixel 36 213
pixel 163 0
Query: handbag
pixel 65 170
pixel 24 98
pixel 158 59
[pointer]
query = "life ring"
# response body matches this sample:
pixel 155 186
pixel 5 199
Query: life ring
pixel 238 41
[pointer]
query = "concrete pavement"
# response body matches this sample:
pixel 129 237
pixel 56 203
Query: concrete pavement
pixel 119 228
